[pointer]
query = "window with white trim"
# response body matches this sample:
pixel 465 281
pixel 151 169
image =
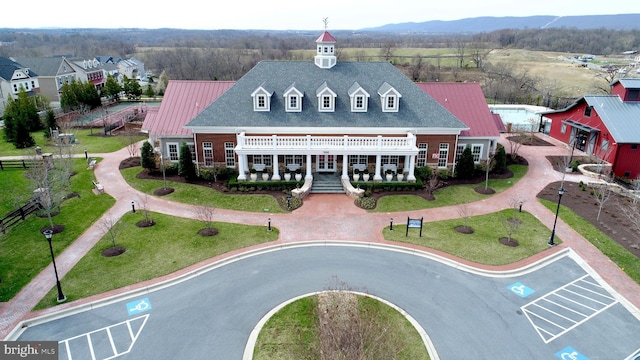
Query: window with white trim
pixel 360 102
pixel 443 155
pixel 262 159
pixel 229 154
pixel 459 151
pixel 391 102
pixel 262 101
pixel 172 151
pixel 207 153
pixel 604 145
pixel 192 150
pixel 358 159
pixel 293 102
pixel 563 129
pixel 476 151
pixel 293 159
pixel 326 102
pixel 421 159
pixel 389 159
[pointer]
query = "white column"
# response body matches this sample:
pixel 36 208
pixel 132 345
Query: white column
pixel 276 169
pixel 345 166
pixel 377 176
pixel 412 167
pixel 308 172
pixel 242 164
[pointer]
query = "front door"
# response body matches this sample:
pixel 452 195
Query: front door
pixel 326 163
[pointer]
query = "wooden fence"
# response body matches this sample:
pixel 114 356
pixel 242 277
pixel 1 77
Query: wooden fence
pixel 19 214
pixel 14 164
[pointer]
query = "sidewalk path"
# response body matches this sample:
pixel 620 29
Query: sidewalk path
pixel 329 217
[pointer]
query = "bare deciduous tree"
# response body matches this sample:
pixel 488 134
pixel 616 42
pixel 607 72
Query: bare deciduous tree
pixel 601 192
pixel 48 185
pixel 111 228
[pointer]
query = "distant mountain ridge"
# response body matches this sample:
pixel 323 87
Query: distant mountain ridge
pixel 489 24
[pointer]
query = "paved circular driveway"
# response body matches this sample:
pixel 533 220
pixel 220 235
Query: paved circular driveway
pixel 212 313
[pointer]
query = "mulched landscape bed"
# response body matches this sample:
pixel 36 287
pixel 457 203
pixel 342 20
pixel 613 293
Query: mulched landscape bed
pixel 611 222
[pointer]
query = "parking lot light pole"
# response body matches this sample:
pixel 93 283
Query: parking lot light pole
pixel 553 231
pixel 49 234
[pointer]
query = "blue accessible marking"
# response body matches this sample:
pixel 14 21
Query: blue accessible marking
pixel 520 290
pixel 138 306
pixel 569 353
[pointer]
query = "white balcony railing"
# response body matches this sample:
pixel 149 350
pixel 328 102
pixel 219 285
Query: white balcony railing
pixel 326 143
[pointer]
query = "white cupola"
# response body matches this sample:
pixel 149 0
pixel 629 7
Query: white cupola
pixel 326 55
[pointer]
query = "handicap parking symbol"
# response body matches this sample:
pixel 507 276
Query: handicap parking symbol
pixel 569 353
pixel 138 306
pixel 520 289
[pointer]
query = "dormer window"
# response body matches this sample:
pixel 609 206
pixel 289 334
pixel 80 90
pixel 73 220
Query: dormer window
pixel 389 97
pixel 261 99
pixel 326 98
pixel 293 99
pixel 359 98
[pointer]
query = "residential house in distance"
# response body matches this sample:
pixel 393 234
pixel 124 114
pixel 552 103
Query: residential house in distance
pixel 132 68
pixel 605 126
pixel 53 72
pixel 13 77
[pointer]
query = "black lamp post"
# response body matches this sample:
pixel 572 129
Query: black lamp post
pixel 86 155
pixel 553 231
pixel 269 224
pixel 391 224
pixel 48 234
pixel 288 201
pixel 133 207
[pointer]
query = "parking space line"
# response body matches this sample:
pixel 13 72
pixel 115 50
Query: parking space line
pixel 81 351
pixel 558 312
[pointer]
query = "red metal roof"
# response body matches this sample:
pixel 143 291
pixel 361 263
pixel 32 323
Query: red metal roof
pixel 182 101
pixel 466 101
pixel 325 37
pixel 499 123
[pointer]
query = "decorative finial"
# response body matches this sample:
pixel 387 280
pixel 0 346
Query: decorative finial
pixel 326 23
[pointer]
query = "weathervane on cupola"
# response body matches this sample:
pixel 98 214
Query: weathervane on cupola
pixel 325 56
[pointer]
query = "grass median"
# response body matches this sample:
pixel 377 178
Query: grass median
pixel 483 245
pixel 197 194
pixel 24 250
pixel 450 195
pixel 171 244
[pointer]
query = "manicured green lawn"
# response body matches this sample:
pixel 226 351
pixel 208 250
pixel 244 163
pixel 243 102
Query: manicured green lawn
pixel 450 195
pixel 24 252
pixel 171 244
pixel 15 190
pixel 609 247
pixel 93 143
pixel 482 246
pixel 196 194
pixel 293 331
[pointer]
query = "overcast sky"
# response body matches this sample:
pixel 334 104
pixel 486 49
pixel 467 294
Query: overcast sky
pixel 288 15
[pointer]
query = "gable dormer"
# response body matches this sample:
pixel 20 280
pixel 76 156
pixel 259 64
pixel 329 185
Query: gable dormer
pixel 326 98
pixel 261 98
pixel 359 98
pixel 325 55
pixel 389 97
pixel 293 99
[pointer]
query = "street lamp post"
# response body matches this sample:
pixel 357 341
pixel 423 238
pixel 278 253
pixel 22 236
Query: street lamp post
pixel 49 234
pixel 164 178
pixel 553 231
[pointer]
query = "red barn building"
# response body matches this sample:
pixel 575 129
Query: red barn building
pixel 605 126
